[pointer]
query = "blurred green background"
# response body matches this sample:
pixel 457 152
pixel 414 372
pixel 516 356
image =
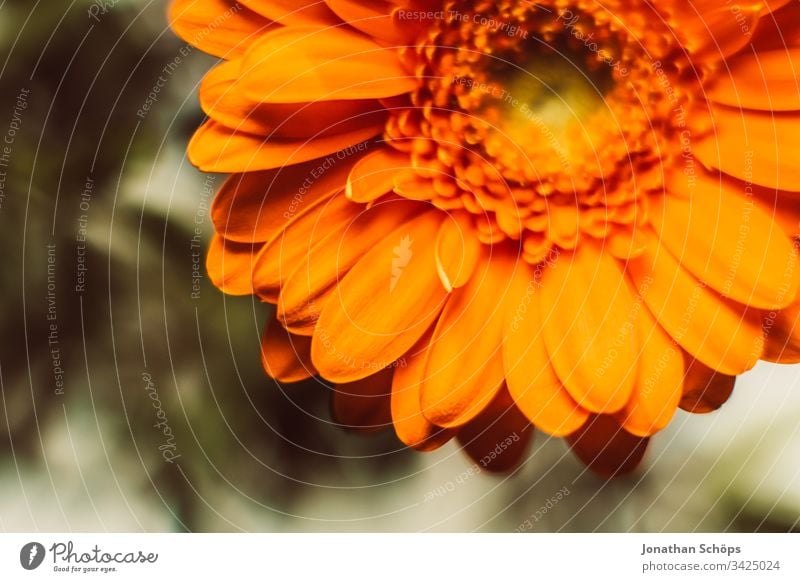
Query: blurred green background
pixel 113 318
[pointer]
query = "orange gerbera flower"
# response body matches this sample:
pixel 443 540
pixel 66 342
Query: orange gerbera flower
pixel 479 216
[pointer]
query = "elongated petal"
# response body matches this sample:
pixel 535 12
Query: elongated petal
pixel 216 148
pixel 783 335
pixel 364 404
pixel 300 64
pixel 765 80
pixel 465 363
pixel 377 18
pixel 410 424
pixel 498 438
pixel 223 98
pixel 531 378
pixel 230 265
pixel 728 242
pixel 256 206
pixel 659 385
pixel 373 176
pixel 754 145
pixel 285 357
pixel 382 306
pixel 294 12
pixel 722 334
pixel 606 448
pixel 330 258
pixel 222 28
pixel 457 251
pixel 585 306
pixel 704 389
pixel 281 254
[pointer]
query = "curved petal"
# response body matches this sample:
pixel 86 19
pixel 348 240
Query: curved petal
pixel 530 376
pixel 722 334
pixel 783 335
pixel 329 259
pixel 498 438
pixel 410 424
pixel 606 448
pixel 257 206
pixel 465 364
pixel 294 12
pixel 281 254
pixel 378 19
pixel 230 265
pixel 382 306
pixel 223 98
pixel 285 357
pixel 704 389
pixel 659 385
pixel 373 175
pixel 457 251
pixel 764 80
pixel 585 306
pixel 216 148
pixel 300 64
pixel 754 146
pixel 728 242
pixel 222 28
pixel 364 404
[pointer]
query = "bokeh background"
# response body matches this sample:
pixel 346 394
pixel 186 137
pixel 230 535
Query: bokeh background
pixel 107 344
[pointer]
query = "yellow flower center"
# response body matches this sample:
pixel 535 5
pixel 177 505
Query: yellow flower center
pixel 544 122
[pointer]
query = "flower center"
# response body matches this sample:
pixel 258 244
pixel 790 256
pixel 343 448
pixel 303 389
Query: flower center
pixel 541 121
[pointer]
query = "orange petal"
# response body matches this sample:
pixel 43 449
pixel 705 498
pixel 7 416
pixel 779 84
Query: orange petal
pixel 783 335
pixel 530 376
pixel 410 424
pixel 216 148
pixel 230 265
pixel 256 206
pixel 704 389
pixel 373 175
pixel 606 448
pixel 659 384
pixel 754 146
pixel 585 306
pixel 364 404
pixel 719 332
pixel 457 251
pixel 222 28
pixel 281 254
pixel 223 98
pixel 710 31
pixel 285 357
pixel 728 242
pixel 382 306
pixel 300 64
pixel 778 30
pixel 465 363
pixel 330 258
pixel 765 80
pixel 376 19
pixel 782 207
pixel 498 438
pixel 294 12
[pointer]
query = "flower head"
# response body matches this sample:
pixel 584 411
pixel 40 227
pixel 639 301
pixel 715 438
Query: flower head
pixel 475 216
